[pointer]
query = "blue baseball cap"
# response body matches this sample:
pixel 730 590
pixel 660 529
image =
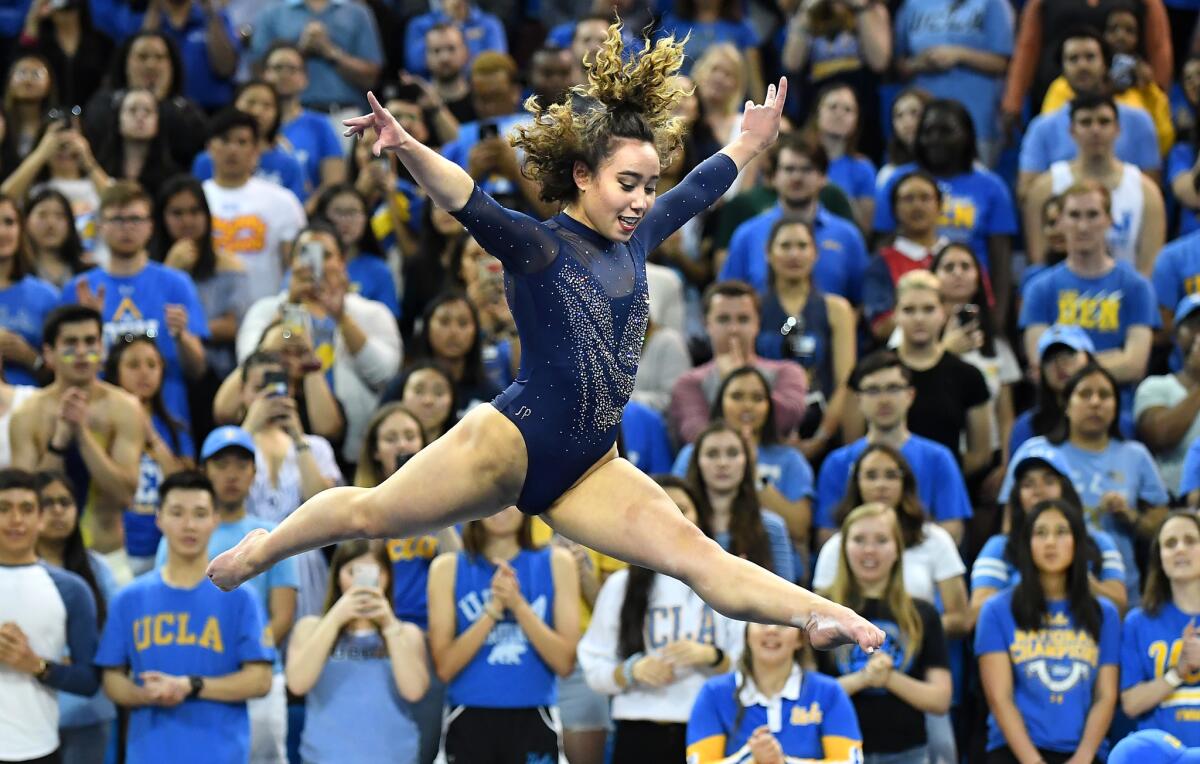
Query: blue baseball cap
pixel 1187 306
pixel 225 437
pixel 1040 454
pixel 1063 334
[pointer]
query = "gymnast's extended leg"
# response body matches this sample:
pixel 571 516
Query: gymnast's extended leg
pixel 470 472
pixel 621 512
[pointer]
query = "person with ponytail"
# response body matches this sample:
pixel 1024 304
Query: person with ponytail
pixel 651 645
pixel 1048 649
pixel 739 718
pixel 894 687
pixel 577 284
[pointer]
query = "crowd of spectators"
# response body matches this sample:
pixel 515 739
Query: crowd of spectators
pixel 936 356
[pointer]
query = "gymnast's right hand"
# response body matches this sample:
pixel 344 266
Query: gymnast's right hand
pixel 391 136
pixel 831 625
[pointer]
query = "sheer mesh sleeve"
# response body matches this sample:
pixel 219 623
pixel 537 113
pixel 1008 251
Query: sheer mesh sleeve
pixel 518 241
pixel 703 185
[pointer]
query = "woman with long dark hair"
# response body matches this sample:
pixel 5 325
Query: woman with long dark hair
pixel 29 93
pixel 426 389
pixel 64 35
pixel 652 668
pixel 722 473
pixel 346 209
pixel 1160 647
pixel 1062 351
pixel 836 124
pixel 54 243
pixel 1048 649
pixel 894 687
pixel 735 714
pixel 83 723
pixel 135 364
pixel 25 300
pixel 1040 475
pixel 136 146
pixel 905 117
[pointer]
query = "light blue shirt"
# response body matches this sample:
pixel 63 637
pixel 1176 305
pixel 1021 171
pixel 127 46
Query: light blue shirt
pixel 482 31
pixel 1048 140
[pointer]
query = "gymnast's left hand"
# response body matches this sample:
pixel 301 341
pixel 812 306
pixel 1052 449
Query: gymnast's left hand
pixel 392 137
pixel 830 625
pixel 760 122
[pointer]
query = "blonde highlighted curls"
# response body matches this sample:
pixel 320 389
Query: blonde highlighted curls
pixel 622 99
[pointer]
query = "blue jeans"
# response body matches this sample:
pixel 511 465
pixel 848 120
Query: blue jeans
pixel 84 745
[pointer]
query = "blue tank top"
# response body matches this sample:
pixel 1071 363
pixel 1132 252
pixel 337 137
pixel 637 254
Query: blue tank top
pixel 806 340
pixel 507 660
pixel 411 558
pixel 354 712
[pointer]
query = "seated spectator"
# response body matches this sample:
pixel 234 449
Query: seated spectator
pixel 836 125
pixel 227 458
pixel 722 85
pixel 1185 96
pixel 340 42
pixel 932 568
pixel 586 35
pixel 370 276
pixel 665 358
pixel 54 244
pixel 48 628
pixel 419 107
pixel 500 343
pixel 276 163
pixel 84 722
pixel 1176 275
pixel 972 335
pixel 151 61
pixel 136 148
pixel 252 217
pixel 1139 223
pixel 205 36
pixel 916 200
pixel 1131 74
pixel 1042 475
pixel 393 435
pixel 743 713
pixel 951 401
pixel 652 673
pixel 1160 649
pixel 136 295
pixel 977 208
pixel 1087 61
pixel 78 53
pixel 905 118
pixel 62 161
pixel 722 474
pixel 312 140
pixel 426 389
pixel 709 24
pixel 782 476
pixel 665 287
pixel 186 680
pixel 446 61
pixel 25 299
pixel 1167 407
pixel 814 329
pixel 550 73
pixel 1118 483
pixel 397 204
pixel 895 687
pixel 1048 649
pixel 731 318
pixel 29 94
pixel 482 31
pixel 643 439
pixel 87 428
pixel 885 395
pixel 800 167
pixel 1108 299
pixel 1062 351
pixel 1048 138
pixel 502 614
pixel 135 364
pixel 1152 745
pixel 1180 173
pixel 357 661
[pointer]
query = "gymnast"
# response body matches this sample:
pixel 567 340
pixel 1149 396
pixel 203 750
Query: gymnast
pixel 577 287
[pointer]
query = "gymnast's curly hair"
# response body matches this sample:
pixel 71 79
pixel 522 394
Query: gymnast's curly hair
pixel 622 99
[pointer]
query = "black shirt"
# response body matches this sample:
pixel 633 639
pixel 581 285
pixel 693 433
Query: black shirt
pixel 945 393
pixel 889 725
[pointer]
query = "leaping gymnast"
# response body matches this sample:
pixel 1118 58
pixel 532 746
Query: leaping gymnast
pixel 577 287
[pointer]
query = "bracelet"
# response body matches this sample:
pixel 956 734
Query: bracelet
pixel 720 657
pixel 490 613
pixel 1172 677
pixel 627 668
pixel 302 446
pixel 55 449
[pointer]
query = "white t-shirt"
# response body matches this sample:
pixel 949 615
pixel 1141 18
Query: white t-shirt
pixel 1166 390
pixel 997 372
pixel 20 393
pixel 253 222
pixel 926 565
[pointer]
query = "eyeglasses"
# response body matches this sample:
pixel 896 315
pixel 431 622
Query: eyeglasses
pixel 346 214
pixel 127 220
pixel 873 392
pixel 30 75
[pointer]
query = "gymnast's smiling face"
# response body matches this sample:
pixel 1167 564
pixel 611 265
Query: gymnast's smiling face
pixel 614 199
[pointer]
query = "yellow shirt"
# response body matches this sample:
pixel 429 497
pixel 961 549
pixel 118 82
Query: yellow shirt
pixel 601 563
pixel 1150 99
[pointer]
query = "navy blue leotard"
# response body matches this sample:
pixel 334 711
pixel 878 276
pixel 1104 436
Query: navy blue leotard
pixel 580 305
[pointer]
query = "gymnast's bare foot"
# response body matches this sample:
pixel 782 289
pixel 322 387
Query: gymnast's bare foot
pixel 835 625
pixel 231 568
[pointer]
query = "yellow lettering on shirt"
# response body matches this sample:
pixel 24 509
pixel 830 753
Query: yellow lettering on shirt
pixel 161 636
pixel 416 548
pixel 163 629
pixel 126 310
pixel 1166 655
pixel 241 234
pixel 806 717
pixel 1191 284
pixel 186 638
pixel 1054 644
pixel 958 212
pixel 1100 313
pixel 211 636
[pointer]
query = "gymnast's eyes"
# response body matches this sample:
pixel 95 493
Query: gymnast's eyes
pixel 627 186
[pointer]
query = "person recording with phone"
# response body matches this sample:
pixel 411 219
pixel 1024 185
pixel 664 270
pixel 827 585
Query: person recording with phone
pixel 355 340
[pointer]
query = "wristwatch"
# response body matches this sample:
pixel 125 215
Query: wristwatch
pixel 197 683
pixel 43 670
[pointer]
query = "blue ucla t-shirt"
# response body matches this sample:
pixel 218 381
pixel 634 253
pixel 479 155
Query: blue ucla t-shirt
pixel 313 140
pixel 201 631
pixel 855 175
pixel 994 569
pixel 644 439
pixel 1054 668
pixel 975 207
pixel 141 531
pixel 1180 159
pixel 841 253
pixel 23 309
pixel 1105 307
pixel 1150 645
pixel 274 165
pixel 138 305
pixel 411 558
pixel 1177 271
